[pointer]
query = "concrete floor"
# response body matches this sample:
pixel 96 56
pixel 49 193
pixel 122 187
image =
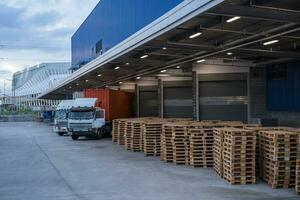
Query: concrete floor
pixel 35 164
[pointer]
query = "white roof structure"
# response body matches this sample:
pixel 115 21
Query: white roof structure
pixel 85 103
pixel 40 78
pixel 65 104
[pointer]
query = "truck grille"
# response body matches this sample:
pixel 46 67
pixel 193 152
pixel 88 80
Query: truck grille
pixel 62 124
pixel 80 127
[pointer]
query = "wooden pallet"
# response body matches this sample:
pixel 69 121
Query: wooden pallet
pixel 278 154
pixel 128 135
pixel 151 136
pixel 298 177
pixel 115 130
pixel 238 154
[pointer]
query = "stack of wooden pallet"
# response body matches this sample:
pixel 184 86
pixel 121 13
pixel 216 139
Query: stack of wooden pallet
pixel 151 134
pixel 278 153
pixel 128 135
pixel 298 169
pixel 115 130
pixel 121 131
pixel 166 148
pixel 239 156
pixel 218 150
pixel 178 140
pixel 137 141
pixel 201 146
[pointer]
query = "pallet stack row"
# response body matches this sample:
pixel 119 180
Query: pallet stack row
pixel 239 156
pixel 128 135
pixel 151 136
pixel 278 153
pixel 137 142
pixel 178 140
pixel 218 151
pixel 166 147
pixel 201 146
pixel 115 126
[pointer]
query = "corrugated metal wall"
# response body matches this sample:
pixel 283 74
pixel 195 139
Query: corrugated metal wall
pixel 283 82
pixel 112 21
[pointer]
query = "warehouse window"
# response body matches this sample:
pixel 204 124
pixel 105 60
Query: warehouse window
pixel 99 48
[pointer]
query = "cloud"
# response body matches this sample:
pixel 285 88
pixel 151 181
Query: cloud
pixel 10 17
pixel 38 29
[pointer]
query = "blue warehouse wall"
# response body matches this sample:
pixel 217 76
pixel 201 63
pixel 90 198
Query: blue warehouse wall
pixel 283 83
pixel 111 22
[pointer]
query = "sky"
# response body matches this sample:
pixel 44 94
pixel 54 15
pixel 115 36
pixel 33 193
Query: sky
pixel 36 31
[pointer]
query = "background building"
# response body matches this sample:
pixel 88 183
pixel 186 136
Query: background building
pixel 29 83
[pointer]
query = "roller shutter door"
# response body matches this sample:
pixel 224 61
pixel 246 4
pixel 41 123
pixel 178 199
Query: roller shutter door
pixel 223 97
pixel 178 99
pixel 148 101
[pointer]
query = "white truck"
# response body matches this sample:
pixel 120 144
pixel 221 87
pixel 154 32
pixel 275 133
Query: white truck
pixel 85 119
pixel 61 117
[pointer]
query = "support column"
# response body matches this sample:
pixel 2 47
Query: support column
pixel 161 98
pixel 137 96
pixel 195 86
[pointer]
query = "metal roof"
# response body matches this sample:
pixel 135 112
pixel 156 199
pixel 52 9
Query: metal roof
pixel 167 43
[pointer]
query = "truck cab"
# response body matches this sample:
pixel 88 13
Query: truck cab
pixel 61 117
pixel 85 119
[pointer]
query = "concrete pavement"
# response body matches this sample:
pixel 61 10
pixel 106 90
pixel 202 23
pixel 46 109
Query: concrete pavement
pixel 36 164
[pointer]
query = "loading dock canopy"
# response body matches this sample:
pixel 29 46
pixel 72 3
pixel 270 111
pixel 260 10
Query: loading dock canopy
pixel 254 32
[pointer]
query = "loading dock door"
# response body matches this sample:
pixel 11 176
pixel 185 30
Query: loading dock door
pixel 148 101
pixel 178 99
pixel 223 97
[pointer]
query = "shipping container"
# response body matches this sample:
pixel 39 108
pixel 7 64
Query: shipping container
pixel 116 103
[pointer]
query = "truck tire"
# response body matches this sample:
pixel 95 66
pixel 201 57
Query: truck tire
pixel 75 137
pixel 60 134
pixel 99 134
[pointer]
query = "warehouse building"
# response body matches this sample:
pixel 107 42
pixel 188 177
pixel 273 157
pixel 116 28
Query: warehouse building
pixel 205 59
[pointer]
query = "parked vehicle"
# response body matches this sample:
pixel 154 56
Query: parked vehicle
pixel 85 119
pixel 61 117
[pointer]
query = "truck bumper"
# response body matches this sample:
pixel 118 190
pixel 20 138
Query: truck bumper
pixel 61 129
pixel 84 133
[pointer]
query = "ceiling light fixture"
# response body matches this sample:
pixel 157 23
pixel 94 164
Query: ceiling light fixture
pixel 138 78
pixel 144 56
pixel 86 80
pixel 116 68
pixel 233 19
pixel 127 64
pixel 164 48
pixel 77 84
pixel 201 61
pixel 120 82
pixel 178 67
pixel 195 35
pixel 229 53
pixel 271 42
pixel 163 71
pixel 99 75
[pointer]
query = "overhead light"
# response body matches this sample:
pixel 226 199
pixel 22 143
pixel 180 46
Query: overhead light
pixel 178 67
pixel 77 84
pixel 163 71
pixel 164 48
pixel 233 19
pixel 138 78
pixel 99 75
pixel 144 56
pixel 120 82
pixel 70 87
pixel 271 42
pixel 229 53
pixel 127 64
pixel 86 80
pixel 116 68
pixel 195 35
pixel 201 61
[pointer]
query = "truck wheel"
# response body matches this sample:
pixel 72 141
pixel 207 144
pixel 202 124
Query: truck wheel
pixel 61 134
pixel 74 137
pixel 99 134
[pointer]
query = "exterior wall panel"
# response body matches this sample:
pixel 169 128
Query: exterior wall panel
pixel 111 22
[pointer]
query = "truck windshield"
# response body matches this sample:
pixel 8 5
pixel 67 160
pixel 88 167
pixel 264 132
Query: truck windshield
pixel 81 115
pixel 61 114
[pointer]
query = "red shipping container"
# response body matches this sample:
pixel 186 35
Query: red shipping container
pixel 116 103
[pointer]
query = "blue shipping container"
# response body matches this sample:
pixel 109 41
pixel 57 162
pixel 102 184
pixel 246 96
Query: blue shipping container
pixel 111 22
pixel 283 82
